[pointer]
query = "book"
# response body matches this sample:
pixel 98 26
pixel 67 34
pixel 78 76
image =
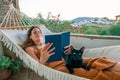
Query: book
pixel 59 40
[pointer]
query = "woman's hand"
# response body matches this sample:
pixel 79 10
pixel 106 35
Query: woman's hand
pixel 68 49
pixel 46 52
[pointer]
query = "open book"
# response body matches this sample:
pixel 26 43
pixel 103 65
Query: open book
pixel 59 40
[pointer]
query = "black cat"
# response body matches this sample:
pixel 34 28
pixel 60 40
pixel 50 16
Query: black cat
pixel 74 60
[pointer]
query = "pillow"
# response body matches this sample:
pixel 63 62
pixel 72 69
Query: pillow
pixel 44 30
pixel 22 36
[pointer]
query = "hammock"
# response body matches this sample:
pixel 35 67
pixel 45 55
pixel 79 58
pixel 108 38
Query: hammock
pixel 11 39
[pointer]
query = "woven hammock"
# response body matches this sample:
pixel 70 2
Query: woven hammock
pixel 11 39
pixel 15 17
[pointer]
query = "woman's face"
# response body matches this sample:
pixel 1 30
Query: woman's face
pixel 36 34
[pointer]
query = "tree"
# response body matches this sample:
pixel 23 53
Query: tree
pixel 115 29
pixel 64 26
pixel 104 31
pixel 40 18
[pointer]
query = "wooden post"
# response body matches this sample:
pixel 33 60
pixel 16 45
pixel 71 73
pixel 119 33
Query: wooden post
pixel 117 17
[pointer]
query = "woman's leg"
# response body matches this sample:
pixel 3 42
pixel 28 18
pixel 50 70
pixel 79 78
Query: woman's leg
pixel 91 74
pixel 62 68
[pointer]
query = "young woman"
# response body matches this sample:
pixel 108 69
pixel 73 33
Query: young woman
pixel 101 68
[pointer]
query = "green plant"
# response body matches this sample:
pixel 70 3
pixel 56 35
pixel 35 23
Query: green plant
pixel 115 29
pixel 6 62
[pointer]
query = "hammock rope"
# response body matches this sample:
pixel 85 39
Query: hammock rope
pixel 15 17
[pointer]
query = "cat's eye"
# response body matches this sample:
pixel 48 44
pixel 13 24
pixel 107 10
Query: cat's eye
pixel 74 53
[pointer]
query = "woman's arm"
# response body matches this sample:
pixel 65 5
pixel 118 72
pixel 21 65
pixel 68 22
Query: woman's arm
pixel 45 53
pixel 31 52
pixel 68 49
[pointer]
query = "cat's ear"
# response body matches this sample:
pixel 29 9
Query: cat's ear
pixel 82 49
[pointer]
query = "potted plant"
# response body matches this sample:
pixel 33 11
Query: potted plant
pixel 7 66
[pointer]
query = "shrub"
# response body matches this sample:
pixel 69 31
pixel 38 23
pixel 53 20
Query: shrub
pixel 6 62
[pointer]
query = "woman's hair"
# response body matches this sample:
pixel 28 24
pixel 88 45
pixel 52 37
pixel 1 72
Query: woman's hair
pixel 28 42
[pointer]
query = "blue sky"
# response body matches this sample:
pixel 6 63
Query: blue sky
pixel 70 9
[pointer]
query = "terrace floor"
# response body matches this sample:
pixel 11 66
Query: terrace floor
pixel 25 74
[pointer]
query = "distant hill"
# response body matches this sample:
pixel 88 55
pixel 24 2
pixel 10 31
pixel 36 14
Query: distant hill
pixel 85 20
pixel 82 19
